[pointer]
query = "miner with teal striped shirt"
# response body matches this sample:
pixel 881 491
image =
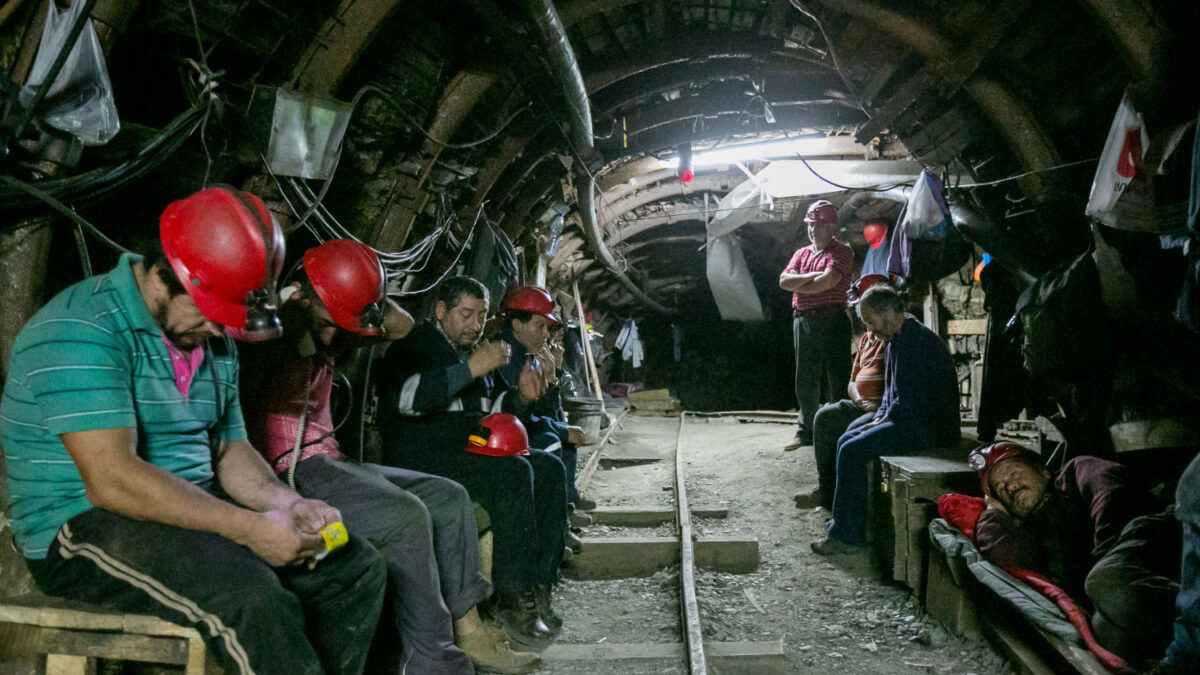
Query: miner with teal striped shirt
pixel 130 479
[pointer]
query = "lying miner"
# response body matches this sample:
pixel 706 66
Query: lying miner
pixel 1094 530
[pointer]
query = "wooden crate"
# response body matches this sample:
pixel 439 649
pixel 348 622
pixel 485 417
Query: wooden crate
pixel 912 486
pixel 70 640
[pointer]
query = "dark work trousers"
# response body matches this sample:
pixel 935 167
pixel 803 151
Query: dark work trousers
pixel 526 499
pixel 425 527
pixel 553 439
pixel 822 341
pixel 1183 654
pixel 833 420
pixel 855 449
pixel 255 618
pixel 1133 586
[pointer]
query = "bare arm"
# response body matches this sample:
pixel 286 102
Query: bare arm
pixel 791 281
pixel 396 322
pixel 245 476
pixel 119 481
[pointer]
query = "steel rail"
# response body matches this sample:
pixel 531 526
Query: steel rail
pixel 689 608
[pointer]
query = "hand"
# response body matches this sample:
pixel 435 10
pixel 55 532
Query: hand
pixel 549 370
pixel 310 516
pixel 278 541
pixel 532 385
pixel 557 351
pixel 576 436
pixel 488 357
pixel 994 504
pixel 865 405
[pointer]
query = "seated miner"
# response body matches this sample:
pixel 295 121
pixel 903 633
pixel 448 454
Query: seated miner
pixel 863 396
pixel 1094 531
pixel 918 411
pixel 1183 654
pixel 424 524
pixel 437 384
pixel 528 314
pixel 131 480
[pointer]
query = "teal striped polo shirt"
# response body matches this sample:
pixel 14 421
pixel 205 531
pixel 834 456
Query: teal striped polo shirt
pixel 93 358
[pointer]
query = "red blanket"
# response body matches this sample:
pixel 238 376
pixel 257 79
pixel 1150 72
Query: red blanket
pixel 963 511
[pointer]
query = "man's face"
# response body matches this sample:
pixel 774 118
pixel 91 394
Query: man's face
pixel 883 324
pixel 463 324
pixel 322 326
pixel 532 334
pixel 1018 486
pixel 182 322
pixel 820 234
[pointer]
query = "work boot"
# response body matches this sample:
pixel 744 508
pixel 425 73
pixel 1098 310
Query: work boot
pixel 574 542
pixel 580 519
pixel 567 554
pixel 519 613
pixel 489 650
pixel 801 439
pixel 833 546
pixel 811 500
pixel 542 593
pixel 585 504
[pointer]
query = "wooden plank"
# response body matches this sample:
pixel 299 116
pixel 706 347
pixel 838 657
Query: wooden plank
pixel 766 658
pixel 58 664
pixel 99 644
pixel 627 557
pixel 647 516
pixel 966 327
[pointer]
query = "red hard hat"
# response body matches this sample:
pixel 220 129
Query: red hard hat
pixel 349 279
pixel 227 250
pixel 875 231
pixel 821 211
pixel 868 280
pixel 984 459
pixel 530 299
pixel 499 435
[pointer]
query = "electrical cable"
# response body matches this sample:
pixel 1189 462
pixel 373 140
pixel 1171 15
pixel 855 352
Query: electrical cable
pixel 449 268
pixel 387 97
pixel 1029 173
pixel 63 209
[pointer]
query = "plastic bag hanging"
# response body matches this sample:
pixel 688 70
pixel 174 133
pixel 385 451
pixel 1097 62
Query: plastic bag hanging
pixel 926 215
pixel 1123 192
pixel 80 100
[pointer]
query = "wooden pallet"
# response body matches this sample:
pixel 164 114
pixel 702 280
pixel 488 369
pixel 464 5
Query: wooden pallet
pixel 72 639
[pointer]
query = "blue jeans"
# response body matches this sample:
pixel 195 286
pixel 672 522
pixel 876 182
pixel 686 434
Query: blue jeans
pixel 1183 654
pixel 855 449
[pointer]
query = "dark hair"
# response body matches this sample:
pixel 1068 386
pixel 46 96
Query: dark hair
pixel 154 256
pixel 453 289
pixel 516 315
pixel 880 298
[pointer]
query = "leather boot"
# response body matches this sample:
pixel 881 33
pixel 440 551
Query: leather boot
pixel 574 542
pixel 519 613
pixel 542 594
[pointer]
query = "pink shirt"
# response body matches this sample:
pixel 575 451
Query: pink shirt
pixel 184 364
pixel 836 255
pixel 281 402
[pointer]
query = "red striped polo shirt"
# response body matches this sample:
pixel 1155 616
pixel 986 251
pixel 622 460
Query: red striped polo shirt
pixel 836 255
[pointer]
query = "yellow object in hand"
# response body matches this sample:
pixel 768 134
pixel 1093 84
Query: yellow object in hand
pixel 335 537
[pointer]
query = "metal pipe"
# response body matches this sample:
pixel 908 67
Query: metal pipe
pixel 562 59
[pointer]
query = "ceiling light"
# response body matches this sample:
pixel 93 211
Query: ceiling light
pixel 785 148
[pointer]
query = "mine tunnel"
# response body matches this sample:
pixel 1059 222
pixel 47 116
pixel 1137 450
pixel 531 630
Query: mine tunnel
pixel 599 336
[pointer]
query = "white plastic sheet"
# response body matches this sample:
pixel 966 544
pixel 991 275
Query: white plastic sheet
pixel 730 281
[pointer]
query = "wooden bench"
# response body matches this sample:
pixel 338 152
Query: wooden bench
pixel 68 638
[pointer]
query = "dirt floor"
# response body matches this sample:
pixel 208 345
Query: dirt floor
pixel 832 616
